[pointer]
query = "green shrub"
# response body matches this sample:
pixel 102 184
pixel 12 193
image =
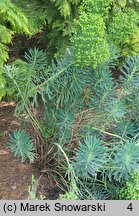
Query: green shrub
pixel 96 6
pixel 124 32
pixel 11 21
pixel 89 41
pixel 87 111
pixel 35 12
pixel 55 16
pixel 131 190
pixel 2 86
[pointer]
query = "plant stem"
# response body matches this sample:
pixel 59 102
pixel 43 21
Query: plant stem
pixel 110 134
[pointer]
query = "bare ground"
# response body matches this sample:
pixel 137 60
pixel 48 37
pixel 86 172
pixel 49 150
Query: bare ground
pixel 15 177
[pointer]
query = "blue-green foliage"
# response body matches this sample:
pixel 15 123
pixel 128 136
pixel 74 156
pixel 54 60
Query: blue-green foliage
pixel 86 110
pixel 124 160
pixel 21 145
pixel 36 58
pixel 64 125
pixel 126 129
pixel 90 158
pixel 130 85
pixel 22 76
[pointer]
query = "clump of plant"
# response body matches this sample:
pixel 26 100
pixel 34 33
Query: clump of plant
pixel 100 25
pixel 123 31
pixel 12 21
pixel 90 158
pixel 93 144
pixel 21 145
pixel 32 190
pixel 131 189
pixel 107 149
pixel 96 6
pixel 68 196
pixel 25 74
pixel 96 168
pixel 89 40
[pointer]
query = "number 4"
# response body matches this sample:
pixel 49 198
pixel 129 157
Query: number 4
pixel 130 207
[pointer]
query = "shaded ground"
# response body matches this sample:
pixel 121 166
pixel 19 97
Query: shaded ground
pixel 22 43
pixel 15 177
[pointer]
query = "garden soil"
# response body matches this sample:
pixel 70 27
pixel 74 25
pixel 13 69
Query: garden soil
pixel 15 177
